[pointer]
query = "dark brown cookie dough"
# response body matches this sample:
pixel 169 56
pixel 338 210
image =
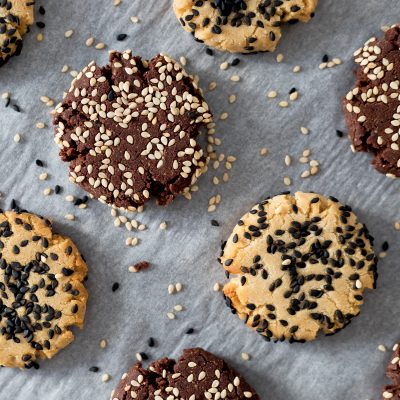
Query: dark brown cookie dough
pixel 129 130
pixel 372 108
pixel 198 375
pixel 392 391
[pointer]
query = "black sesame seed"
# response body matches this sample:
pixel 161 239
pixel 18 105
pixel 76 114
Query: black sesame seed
pixel 121 37
pixel 94 369
pixel 115 287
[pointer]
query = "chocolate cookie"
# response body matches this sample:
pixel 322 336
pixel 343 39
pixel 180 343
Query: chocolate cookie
pixel 129 130
pixel 15 18
pixel 41 290
pixel 372 108
pixel 242 26
pixel 197 375
pixel 392 391
pixel 301 264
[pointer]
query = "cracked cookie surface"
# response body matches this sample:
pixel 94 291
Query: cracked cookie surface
pixel 129 130
pixel 41 290
pixel 241 26
pixel 197 375
pixel 301 264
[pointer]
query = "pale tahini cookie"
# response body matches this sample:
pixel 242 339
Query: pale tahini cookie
pixel 241 26
pixel 15 18
pixel 129 130
pixel 197 375
pixel 372 107
pixel 300 264
pixel 42 295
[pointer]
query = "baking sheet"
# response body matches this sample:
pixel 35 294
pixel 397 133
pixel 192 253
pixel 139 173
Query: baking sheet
pixel 345 366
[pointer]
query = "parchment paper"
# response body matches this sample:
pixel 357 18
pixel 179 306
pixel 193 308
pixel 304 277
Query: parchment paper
pixel 347 366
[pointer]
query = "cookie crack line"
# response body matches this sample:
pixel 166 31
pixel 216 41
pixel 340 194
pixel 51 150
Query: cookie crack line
pixel 137 136
pixel 306 269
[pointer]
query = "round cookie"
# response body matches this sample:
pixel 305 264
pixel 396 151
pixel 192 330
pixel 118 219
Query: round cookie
pixel 129 130
pixel 243 26
pixel 198 375
pixel 41 290
pixel 372 107
pixel 301 264
pixel 392 391
pixel 15 18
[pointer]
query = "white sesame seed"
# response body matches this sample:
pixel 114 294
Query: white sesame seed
pixel 263 151
pixel 382 348
pixel 17 138
pixel 178 287
pixel 70 217
pixel 43 176
pixel 279 57
pixel 304 130
pixel 224 66
pixel 171 315
pixel 89 42
pixel 297 68
pixel 163 225
pixel 171 289
pixel 135 20
pixel 288 160
pixel 283 104
pixel 232 99
pixel 105 378
pixel 178 308
pixel 68 33
pixel 39 37
pixel 287 181
pixel 272 94
pixel 100 46
pixel 40 125
pixel 47 191
pixel 5 95
pixel 103 343
pixel 223 116
pixel 235 78
pixel 245 356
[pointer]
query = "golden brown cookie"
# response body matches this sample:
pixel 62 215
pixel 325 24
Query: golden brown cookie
pixel 241 26
pixel 301 265
pixel 41 290
pixel 15 18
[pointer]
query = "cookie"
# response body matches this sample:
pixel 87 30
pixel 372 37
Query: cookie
pixel 301 264
pixel 129 130
pixel 15 18
pixel 197 375
pixel 41 290
pixel 392 391
pixel 372 108
pixel 243 26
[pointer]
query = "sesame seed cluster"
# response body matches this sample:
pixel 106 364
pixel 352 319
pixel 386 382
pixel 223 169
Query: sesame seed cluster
pixel 392 391
pixel 130 129
pixel 15 16
pixel 41 290
pixel 372 107
pixel 301 264
pixel 197 375
pixel 241 25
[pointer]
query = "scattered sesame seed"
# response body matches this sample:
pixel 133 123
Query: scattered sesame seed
pixel 100 46
pixel 40 125
pixel 263 151
pixel 178 308
pixel 288 160
pixel 283 104
pixel 103 343
pixel 163 225
pixel 235 78
pixel 294 96
pixel 279 57
pixel 135 20
pixel 382 348
pixel 212 85
pixel 68 33
pixel 17 138
pixel 224 66
pixel 105 378
pixel 304 130
pixel 183 61
pixel 223 116
pixel 47 191
pixel 64 69
pixel 245 356
pixel 287 181
pixel 70 217
pixel 171 315
pixel 178 287
pixel 39 37
pixel 89 42
pixel 217 287
pixel 297 68
pixel 272 94
pixel 232 98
